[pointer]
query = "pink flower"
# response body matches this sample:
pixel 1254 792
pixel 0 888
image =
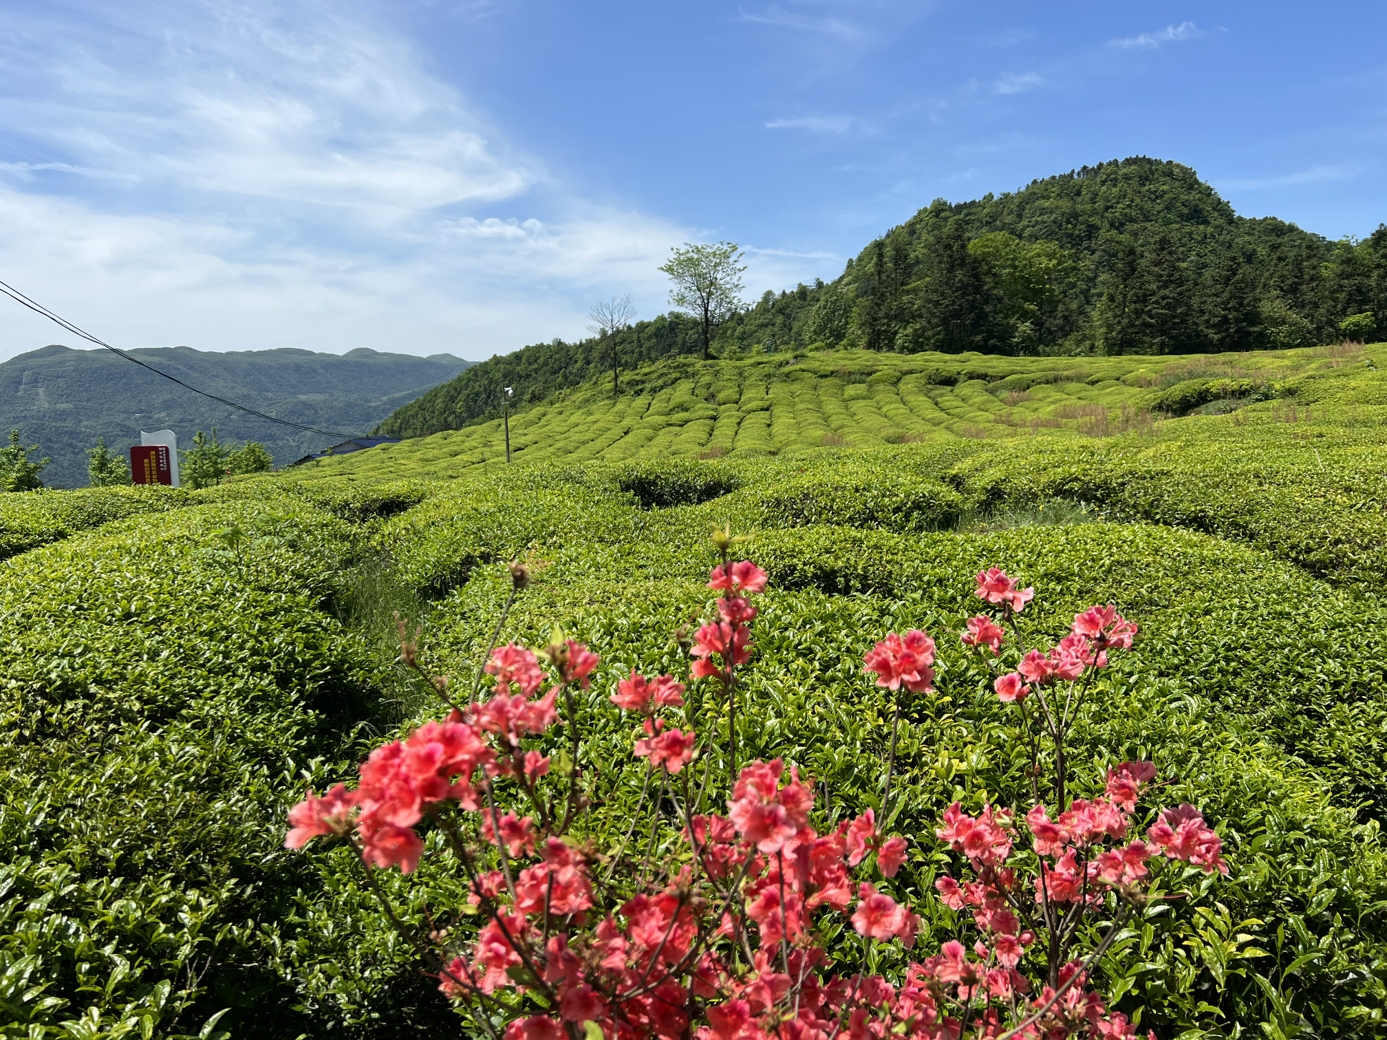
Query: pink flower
pixel 560 883
pixel 1087 822
pixel 949 892
pixel 880 917
pixel 454 978
pixel 583 1004
pixel 1125 782
pixel 736 610
pixel 1105 627
pixel 1126 865
pixel 996 588
pixel 1036 668
pixel 513 664
pixel 1008 949
pixel 1060 883
pixel 1182 834
pixel 731 1021
pixel 765 814
pixel 1010 688
pixel 390 846
pixel 577 663
pixel 536 765
pixel 1050 838
pixel 891 855
pixel 983 631
pixel 1072 655
pixel 742 576
pixel 536 1027
pixel 314 816
pixel 903 661
pixel 982 839
pixel 859 837
pixel 639 693
pixel 667 748
pixel 727 641
pixel 518 834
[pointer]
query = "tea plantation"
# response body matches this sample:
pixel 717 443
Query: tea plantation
pixel 179 666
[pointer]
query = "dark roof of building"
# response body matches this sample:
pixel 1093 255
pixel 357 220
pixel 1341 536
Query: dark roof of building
pixel 347 447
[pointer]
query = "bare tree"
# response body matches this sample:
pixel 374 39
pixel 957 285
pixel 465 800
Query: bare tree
pixel 707 283
pixel 608 318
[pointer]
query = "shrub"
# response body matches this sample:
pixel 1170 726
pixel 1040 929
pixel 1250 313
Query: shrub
pixel 683 484
pixel 856 496
pixel 1183 398
pixel 576 934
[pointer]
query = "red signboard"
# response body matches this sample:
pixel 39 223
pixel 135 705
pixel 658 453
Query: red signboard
pixel 149 464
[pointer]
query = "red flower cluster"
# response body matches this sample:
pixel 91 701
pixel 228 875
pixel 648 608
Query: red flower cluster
pixel 641 694
pixel 903 661
pixel 722 645
pixel 1093 633
pixel 403 781
pixel 729 939
pixel 670 749
pixel 983 631
pixel 996 588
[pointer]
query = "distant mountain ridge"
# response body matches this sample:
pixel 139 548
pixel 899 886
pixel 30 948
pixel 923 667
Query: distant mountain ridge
pixel 1134 256
pixel 64 399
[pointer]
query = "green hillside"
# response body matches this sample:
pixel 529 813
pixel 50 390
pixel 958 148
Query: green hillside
pixel 792 402
pixel 65 399
pixel 1136 256
pixel 179 665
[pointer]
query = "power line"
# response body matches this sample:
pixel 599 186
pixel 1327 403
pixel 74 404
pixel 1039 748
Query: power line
pixel 39 308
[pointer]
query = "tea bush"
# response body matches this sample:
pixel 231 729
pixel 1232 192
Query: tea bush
pixel 1246 702
pixel 36 518
pixel 160 688
pixel 171 673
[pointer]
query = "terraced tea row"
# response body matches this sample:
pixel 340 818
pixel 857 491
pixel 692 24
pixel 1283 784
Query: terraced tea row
pixel 773 405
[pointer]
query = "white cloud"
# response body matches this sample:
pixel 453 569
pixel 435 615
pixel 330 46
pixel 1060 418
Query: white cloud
pixel 1313 175
pixel 1153 40
pixel 236 177
pixel 1017 84
pixel 825 25
pixel 816 124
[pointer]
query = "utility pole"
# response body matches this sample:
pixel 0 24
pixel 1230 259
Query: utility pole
pixel 505 418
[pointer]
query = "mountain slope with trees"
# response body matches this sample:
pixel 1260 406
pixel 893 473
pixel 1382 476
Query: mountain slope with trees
pixel 65 400
pixel 1136 256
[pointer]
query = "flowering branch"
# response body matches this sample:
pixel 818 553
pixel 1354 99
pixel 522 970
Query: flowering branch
pixel 730 932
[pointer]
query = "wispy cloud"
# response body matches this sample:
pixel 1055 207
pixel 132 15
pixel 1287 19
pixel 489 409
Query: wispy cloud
pixel 816 124
pixel 1313 175
pixel 826 25
pixel 239 176
pixel 1153 40
pixel 1017 83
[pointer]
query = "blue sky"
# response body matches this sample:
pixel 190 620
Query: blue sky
pixel 471 175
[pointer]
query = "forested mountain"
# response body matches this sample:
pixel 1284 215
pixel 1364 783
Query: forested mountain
pixel 64 399
pixel 1136 256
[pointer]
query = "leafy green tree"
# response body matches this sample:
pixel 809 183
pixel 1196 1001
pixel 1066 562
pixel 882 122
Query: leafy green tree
pixel 18 472
pixel 707 283
pixel 1026 280
pixel 955 301
pixel 1149 305
pixel 1358 327
pixel 206 462
pixel 251 457
pixel 105 469
pixel 884 309
pixel 1229 309
pixel 1283 328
